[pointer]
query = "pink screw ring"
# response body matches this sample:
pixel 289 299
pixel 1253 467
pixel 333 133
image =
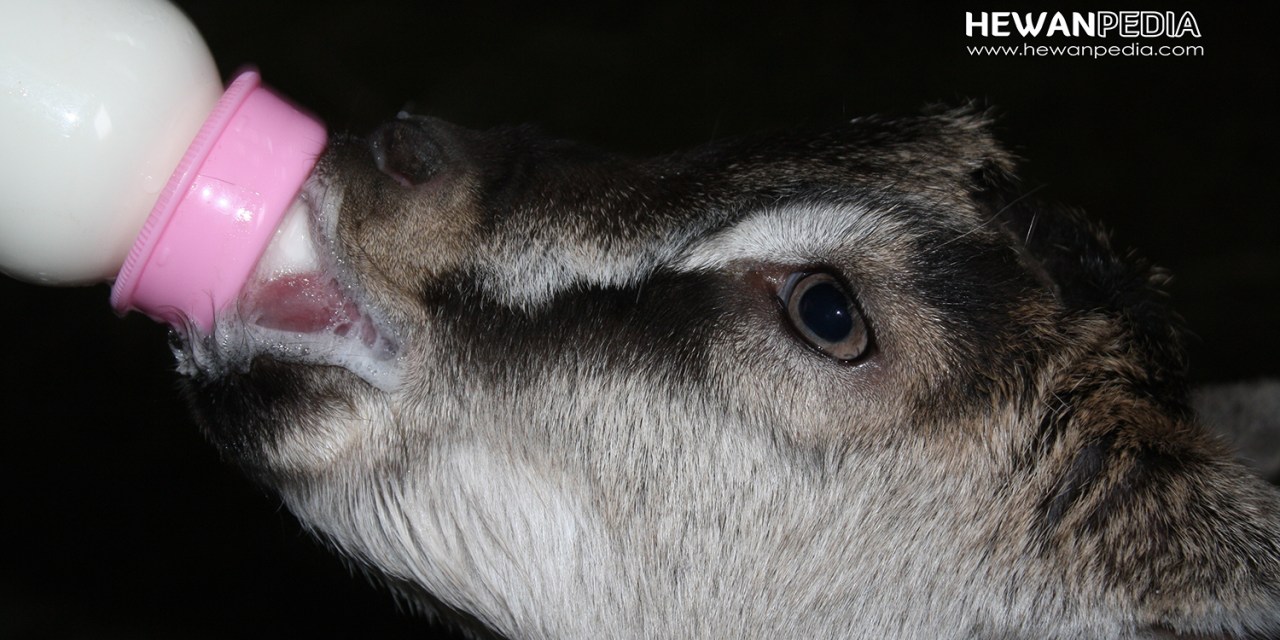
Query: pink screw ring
pixel 220 208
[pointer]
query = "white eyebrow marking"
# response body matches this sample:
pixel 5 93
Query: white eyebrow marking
pixel 526 270
pixel 529 269
pixel 793 234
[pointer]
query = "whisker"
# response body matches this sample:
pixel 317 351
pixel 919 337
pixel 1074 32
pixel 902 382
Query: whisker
pixel 992 217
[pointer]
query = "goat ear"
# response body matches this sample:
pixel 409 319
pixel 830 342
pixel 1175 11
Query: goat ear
pixel 971 128
pixel 1090 276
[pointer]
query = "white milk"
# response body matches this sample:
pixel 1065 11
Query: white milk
pixel 98 101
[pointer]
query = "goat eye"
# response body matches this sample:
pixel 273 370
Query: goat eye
pixel 824 314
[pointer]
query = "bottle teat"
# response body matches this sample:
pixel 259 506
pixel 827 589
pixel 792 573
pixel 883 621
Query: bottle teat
pixel 217 214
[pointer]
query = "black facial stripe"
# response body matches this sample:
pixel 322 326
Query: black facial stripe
pixel 661 326
pixel 975 278
pixel 981 294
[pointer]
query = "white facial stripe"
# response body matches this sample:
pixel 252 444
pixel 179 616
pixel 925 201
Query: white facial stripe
pixel 526 271
pixel 792 235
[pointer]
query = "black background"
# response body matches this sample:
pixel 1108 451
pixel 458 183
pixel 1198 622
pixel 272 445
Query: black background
pixel 119 521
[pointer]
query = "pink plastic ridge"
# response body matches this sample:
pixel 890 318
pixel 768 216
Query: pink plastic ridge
pixel 220 208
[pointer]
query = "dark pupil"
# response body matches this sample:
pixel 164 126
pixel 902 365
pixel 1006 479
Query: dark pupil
pixel 825 310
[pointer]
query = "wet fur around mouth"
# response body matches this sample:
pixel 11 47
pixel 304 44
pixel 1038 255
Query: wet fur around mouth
pixel 606 426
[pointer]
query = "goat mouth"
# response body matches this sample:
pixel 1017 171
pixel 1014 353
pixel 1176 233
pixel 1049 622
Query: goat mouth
pixel 298 307
pixel 308 303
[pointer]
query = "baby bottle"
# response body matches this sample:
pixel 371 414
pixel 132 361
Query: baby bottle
pixel 122 158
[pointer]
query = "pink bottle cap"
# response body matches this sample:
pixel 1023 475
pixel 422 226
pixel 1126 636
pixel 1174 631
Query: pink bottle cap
pixel 220 208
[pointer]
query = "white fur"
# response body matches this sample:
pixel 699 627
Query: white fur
pixel 798 234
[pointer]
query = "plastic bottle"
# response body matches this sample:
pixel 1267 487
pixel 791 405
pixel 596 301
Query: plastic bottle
pixel 119 160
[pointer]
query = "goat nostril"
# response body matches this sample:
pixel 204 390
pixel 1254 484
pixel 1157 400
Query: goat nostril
pixel 406 152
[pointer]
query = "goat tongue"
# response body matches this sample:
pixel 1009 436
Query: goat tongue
pixel 302 303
